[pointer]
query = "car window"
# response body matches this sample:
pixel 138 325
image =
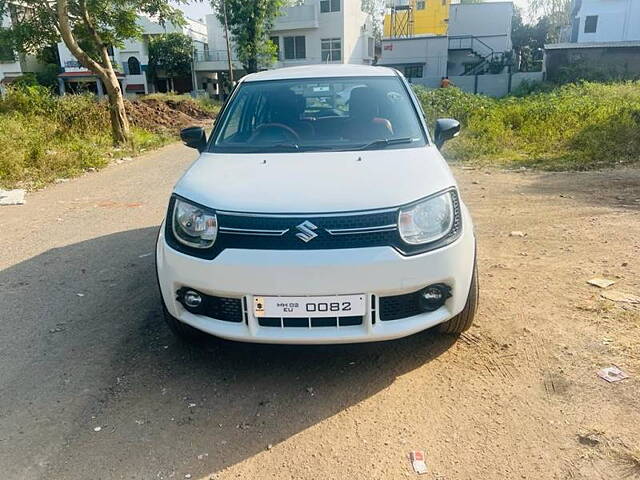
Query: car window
pixel 314 114
pixel 235 111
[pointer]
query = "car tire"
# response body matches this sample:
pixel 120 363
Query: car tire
pixel 462 322
pixel 182 330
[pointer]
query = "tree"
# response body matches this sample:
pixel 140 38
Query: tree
pixel 88 28
pixel 170 53
pixel 555 15
pixel 250 23
pixel 529 38
pixel 376 9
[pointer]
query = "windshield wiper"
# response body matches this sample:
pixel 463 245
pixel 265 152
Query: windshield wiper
pixel 386 142
pixel 276 146
pixel 312 148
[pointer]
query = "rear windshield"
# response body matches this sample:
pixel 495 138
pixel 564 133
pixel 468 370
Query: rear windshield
pixel 315 114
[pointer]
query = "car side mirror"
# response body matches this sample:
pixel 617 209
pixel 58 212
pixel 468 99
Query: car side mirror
pixel 446 129
pixel 194 137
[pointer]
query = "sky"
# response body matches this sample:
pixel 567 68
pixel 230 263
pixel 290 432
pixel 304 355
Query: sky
pixel 197 10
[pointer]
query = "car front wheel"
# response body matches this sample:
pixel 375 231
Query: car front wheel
pixel 182 330
pixel 462 322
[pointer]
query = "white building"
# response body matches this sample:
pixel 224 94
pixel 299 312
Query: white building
pixel 316 31
pixel 478 34
pixel 214 60
pixel 603 43
pixel 324 31
pixel 13 65
pixel 606 21
pixel 131 61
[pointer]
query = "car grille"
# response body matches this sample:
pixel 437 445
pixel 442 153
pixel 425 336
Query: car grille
pixel 256 231
pixel 399 306
pixel 310 322
pixel 388 308
pixel 221 308
pixel 307 232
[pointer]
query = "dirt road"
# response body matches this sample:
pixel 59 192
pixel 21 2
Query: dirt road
pixel 93 386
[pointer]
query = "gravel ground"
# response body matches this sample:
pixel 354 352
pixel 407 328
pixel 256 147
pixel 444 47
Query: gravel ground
pixel 92 384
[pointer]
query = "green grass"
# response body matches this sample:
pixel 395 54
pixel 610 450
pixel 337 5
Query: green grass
pixel 574 127
pixel 209 106
pixel 44 137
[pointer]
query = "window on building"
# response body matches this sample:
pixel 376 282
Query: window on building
pixel 591 24
pixel 413 71
pixel 421 4
pixel 294 48
pixel 134 66
pixel 331 49
pixel 327 6
pixel 276 42
pixel 371 47
pixel 6 52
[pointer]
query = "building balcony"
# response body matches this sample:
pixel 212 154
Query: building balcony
pixel 215 61
pixel 295 18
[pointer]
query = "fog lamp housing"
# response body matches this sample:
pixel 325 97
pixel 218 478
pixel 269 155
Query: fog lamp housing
pixel 434 296
pixel 190 299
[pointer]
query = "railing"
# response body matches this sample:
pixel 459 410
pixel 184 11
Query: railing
pixel 398 3
pixel 469 42
pixel 214 56
pixel 486 54
pixel 77 64
pixel 486 63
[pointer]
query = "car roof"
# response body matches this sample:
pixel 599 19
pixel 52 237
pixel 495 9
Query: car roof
pixel 320 71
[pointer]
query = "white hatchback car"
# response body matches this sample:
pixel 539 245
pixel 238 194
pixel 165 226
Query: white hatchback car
pixel 319 211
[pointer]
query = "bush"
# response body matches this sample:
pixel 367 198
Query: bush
pixel 44 137
pixel 28 98
pixel 573 127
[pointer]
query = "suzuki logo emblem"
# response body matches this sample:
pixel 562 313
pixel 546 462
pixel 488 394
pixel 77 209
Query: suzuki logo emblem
pixel 306 233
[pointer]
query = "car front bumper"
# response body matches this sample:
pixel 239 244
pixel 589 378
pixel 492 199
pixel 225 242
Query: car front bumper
pixel 376 271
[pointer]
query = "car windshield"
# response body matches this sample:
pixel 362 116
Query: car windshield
pixel 317 114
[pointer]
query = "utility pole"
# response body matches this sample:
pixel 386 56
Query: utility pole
pixel 194 78
pixel 226 35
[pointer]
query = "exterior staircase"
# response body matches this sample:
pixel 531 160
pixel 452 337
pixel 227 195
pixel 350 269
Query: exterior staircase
pixel 483 52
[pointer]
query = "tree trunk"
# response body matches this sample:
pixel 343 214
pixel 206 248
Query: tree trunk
pixel 252 65
pixel 119 122
pixel 120 130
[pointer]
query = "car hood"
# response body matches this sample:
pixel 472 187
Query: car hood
pixel 314 182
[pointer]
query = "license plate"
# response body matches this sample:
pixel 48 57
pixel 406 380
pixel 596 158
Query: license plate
pixel 314 307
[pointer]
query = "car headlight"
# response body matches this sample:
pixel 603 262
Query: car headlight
pixel 427 221
pixel 193 226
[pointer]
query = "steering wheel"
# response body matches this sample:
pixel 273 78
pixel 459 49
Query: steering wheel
pixel 288 131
